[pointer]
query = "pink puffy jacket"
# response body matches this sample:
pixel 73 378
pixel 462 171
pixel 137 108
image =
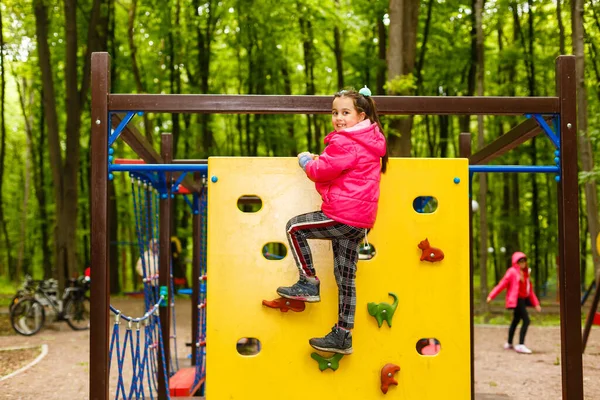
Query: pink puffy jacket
pixel 348 172
pixel 515 286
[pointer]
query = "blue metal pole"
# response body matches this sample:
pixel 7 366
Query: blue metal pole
pixel 548 169
pixel 159 167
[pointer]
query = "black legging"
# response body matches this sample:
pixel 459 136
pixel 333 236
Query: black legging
pixel 519 313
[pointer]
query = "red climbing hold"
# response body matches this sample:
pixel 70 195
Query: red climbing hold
pixel 429 253
pixel 285 304
pixel 387 376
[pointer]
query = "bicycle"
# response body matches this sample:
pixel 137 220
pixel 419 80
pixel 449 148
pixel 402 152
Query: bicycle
pixel 27 315
pixel 28 289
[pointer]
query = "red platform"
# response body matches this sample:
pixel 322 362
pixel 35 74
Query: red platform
pixel 181 383
pixel 596 319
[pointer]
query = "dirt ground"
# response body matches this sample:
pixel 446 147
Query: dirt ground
pixel 499 374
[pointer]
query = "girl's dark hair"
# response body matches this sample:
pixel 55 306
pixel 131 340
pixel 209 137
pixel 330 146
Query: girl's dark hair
pixel 367 105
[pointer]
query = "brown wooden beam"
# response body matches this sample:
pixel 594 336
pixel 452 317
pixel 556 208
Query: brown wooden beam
pixel 278 104
pixel 511 139
pixel 190 161
pixel 100 249
pixel 140 145
pixel 464 149
pixel 568 234
pixel 590 317
pixel 164 274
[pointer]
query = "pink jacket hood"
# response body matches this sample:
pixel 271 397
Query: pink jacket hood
pixel 512 283
pixel 517 256
pixel 348 172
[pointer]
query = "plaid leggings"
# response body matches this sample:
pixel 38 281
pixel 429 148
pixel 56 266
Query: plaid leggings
pixel 345 240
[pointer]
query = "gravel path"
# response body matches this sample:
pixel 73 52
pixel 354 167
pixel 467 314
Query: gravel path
pixel 499 374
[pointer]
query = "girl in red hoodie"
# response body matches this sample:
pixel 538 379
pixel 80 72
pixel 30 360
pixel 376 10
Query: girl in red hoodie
pixel 347 176
pixel 519 295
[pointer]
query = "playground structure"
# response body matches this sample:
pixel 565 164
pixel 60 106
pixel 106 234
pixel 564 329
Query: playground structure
pixel 561 109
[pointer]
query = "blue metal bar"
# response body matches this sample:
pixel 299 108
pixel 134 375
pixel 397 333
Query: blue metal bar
pixel 542 123
pixel 175 186
pixel 549 169
pixel 159 167
pixel 120 127
pixel 189 203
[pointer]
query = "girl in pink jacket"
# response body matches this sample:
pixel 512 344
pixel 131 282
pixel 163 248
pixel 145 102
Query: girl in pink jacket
pixel 519 295
pixel 347 176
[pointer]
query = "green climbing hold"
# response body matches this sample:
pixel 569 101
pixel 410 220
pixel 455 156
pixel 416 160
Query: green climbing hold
pixel 324 363
pixel 383 311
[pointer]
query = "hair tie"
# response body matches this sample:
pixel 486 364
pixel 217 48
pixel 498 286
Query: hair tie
pixel 365 91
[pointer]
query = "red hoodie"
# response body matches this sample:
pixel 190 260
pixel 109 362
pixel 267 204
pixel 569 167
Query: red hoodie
pixel 348 172
pixel 516 288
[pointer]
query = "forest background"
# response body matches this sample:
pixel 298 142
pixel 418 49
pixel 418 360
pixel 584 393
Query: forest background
pixel 300 47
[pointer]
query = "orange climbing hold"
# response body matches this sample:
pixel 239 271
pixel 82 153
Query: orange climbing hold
pixel 429 253
pixel 387 376
pixel 285 304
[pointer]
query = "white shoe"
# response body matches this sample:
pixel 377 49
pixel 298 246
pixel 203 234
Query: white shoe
pixel 521 348
pixel 508 346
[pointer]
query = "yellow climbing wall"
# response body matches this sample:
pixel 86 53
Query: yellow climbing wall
pixel 433 297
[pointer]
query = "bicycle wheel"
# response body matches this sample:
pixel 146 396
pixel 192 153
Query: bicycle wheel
pixel 16 299
pixel 27 317
pixel 77 313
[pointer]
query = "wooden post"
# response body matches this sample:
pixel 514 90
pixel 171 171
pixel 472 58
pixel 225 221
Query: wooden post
pixel 568 233
pixel 465 152
pixel 164 275
pixel 100 249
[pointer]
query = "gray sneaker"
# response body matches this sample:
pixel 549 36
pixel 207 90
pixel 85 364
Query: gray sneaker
pixel 337 341
pixel 302 290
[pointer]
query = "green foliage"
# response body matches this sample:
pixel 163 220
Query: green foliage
pixel 401 85
pixel 276 47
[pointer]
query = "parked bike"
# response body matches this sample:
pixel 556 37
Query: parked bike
pixel 27 312
pixel 28 289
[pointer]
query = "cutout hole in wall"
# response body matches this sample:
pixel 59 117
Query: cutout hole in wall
pixel 425 204
pixel 428 346
pixel 274 251
pixel 366 251
pixel 249 203
pixel 248 346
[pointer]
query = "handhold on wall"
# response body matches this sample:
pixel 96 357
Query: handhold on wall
pixel 387 376
pixel 285 304
pixel 383 311
pixel 324 363
pixel 429 253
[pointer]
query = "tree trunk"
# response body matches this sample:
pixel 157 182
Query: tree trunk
pixel 585 148
pixel 30 167
pixel 382 48
pixel 137 76
pixel 536 242
pixel 404 20
pixel 287 90
pixel 465 120
pixel 3 223
pixel 339 54
pixel 64 173
pixel 480 74
pixel 421 61
pixel 60 256
pixel 40 193
pixel 561 27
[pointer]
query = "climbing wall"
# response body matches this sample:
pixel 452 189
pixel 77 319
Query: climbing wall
pixel 433 297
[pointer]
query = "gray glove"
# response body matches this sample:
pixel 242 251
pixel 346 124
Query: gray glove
pixel 304 158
